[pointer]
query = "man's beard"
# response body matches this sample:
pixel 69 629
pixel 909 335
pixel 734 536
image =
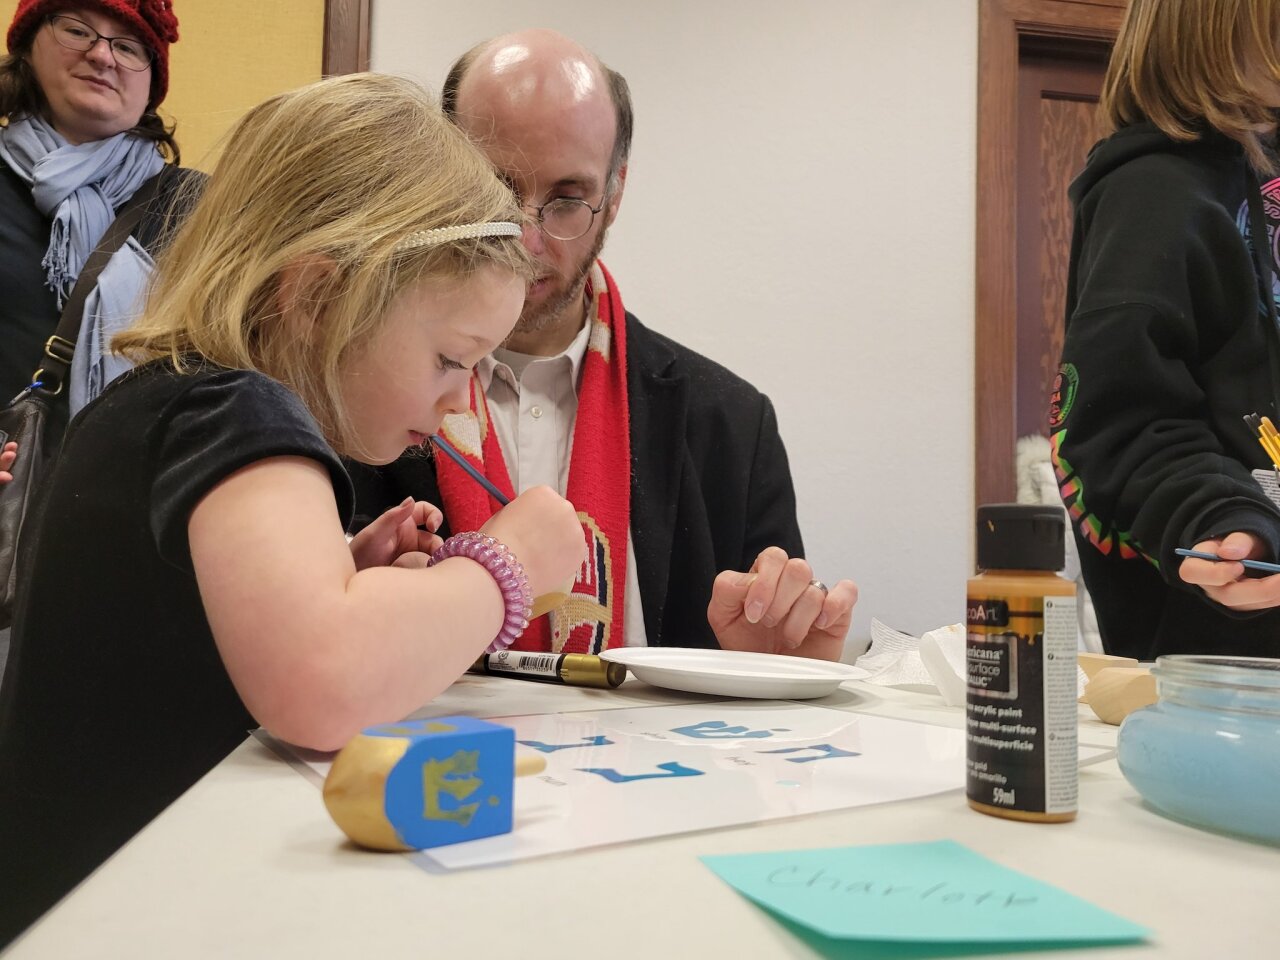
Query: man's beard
pixel 535 319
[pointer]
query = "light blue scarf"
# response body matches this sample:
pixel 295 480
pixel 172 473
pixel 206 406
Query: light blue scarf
pixel 80 188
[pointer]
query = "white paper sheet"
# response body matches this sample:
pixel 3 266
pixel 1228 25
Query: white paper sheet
pixel 619 775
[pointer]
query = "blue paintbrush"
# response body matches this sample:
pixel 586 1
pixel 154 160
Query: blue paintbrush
pixel 541 604
pixel 475 474
pixel 1251 564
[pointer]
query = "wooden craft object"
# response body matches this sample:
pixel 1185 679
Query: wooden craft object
pixel 1091 663
pixel 547 602
pixel 426 783
pixel 1115 692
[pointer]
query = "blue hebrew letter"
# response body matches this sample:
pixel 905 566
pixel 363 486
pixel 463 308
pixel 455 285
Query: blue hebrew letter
pixel 719 730
pixel 553 747
pixel 826 751
pixel 673 770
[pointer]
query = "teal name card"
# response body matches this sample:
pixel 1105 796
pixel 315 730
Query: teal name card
pixel 919 893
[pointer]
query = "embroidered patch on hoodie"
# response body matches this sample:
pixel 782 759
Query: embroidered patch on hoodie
pixel 1064 394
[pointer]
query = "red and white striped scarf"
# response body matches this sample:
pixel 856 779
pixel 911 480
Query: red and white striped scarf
pixel 599 487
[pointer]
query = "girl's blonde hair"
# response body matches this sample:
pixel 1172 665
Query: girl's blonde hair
pixel 342 171
pixel 1182 64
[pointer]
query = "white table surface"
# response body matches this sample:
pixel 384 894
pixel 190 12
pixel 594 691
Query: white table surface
pixel 248 864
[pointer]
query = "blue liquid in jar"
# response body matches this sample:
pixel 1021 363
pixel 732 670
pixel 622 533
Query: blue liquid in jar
pixel 1208 752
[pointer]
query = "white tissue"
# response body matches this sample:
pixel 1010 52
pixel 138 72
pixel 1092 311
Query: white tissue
pixel 893 659
pixel 942 653
pixel 935 661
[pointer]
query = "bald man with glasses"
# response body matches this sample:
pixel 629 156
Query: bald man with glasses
pixel 674 463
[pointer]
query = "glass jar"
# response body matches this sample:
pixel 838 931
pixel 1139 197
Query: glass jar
pixel 1208 751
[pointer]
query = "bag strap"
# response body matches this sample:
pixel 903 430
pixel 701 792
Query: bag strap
pixel 59 348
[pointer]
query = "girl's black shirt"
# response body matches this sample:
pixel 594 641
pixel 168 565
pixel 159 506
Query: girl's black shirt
pixel 115 700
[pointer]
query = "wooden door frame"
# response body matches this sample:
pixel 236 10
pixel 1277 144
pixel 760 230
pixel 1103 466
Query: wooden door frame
pixel 1003 25
pixel 346 37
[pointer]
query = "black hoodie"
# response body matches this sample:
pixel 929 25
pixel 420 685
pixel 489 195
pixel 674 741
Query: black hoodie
pixel 1166 349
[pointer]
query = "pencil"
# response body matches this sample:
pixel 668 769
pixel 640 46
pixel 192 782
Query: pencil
pixel 475 474
pixel 1267 429
pixel 1271 447
pixel 1267 436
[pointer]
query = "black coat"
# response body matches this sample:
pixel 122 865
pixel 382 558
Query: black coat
pixel 31 312
pixel 710 483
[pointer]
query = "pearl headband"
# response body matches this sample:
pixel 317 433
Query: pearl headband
pixel 463 231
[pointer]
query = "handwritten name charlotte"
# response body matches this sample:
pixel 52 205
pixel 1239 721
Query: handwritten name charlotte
pixel 937 893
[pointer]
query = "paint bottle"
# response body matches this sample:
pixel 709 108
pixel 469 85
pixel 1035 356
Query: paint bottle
pixel 1020 655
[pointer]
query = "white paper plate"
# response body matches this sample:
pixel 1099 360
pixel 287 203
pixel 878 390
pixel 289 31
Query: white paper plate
pixel 728 673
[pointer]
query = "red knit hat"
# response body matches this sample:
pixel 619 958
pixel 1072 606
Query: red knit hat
pixel 152 20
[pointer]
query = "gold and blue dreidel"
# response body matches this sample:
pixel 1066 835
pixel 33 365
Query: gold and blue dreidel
pixel 426 783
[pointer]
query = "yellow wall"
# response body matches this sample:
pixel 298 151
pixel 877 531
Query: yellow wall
pixel 233 54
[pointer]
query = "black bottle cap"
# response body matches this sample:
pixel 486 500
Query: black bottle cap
pixel 1021 536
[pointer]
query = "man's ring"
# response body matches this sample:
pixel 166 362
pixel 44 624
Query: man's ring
pixel 820 585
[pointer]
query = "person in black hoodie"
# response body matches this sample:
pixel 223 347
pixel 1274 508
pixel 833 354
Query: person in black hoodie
pixel 1171 333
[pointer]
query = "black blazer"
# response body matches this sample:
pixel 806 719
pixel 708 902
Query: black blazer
pixel 710 483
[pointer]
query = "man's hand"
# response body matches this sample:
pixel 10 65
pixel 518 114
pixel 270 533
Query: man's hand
pixel 1225 582
pixel 395 538
pixel 778 607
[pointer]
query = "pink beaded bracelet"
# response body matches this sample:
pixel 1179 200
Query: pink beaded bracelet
pixel 502 565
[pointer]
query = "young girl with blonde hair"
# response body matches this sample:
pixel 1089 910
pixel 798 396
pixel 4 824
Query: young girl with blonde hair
pixel 351 259
pixel 1171 335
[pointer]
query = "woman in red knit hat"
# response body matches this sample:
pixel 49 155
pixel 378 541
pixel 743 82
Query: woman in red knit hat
pixel 78 97
pixel 79 92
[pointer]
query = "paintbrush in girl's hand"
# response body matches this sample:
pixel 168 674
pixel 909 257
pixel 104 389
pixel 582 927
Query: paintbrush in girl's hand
pixel 541 604
pixel 447 449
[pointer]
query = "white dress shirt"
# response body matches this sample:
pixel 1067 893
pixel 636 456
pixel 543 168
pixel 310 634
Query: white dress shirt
pixel 533 405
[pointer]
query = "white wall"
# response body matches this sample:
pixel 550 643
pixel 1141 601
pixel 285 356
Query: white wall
pixel 800 207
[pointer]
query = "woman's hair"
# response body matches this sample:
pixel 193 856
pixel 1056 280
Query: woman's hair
pixel 21 96
pixel 343 171
pixel 1185 64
